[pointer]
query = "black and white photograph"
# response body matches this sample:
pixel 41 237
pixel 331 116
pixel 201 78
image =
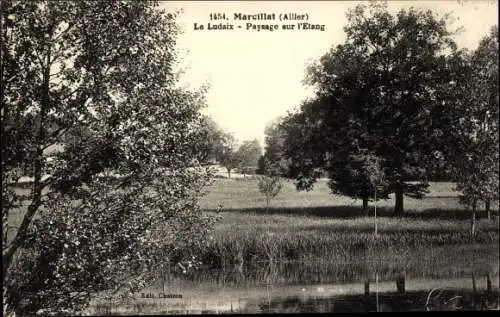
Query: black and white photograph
pixel 249 157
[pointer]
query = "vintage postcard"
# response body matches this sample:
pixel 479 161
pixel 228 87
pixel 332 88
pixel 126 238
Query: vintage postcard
pixel 257 157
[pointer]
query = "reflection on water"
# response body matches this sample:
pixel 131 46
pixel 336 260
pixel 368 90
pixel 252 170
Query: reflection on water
pixel 312 287
pixel 389 301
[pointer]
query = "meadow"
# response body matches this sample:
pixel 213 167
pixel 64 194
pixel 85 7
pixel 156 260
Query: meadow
pixel 331 234
pixel 432 237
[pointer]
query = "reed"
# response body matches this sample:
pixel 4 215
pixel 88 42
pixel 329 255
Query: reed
pixel 250 238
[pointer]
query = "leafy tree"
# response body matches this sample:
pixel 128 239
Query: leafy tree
pixel 210 140
pixel 270 184
pixel 304 147
pixel 260 165
pixel 476 128
pixel 358 176
pixel 120 196
pixel 315 143
pixel 274 145
pixel 382 92
pixel 228 156
pixel 248 155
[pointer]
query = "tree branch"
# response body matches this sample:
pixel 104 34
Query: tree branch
pixel 54 136
pixel 38 185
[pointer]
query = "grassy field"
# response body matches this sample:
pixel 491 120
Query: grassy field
pixel 306 226
pixel 242 194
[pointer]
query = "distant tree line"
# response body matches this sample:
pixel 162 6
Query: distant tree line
pixel 214 145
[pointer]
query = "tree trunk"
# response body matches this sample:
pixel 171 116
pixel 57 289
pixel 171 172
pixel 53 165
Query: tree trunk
pixel 228 173
pixel 473 220
pixel 365 204
pixel 367 287
pixel 398 208
pixel 375 210
pixel 37 187
pixel 400 284
pixel 474 291
pixel 489 289
pixel 376 292
pixel 487 205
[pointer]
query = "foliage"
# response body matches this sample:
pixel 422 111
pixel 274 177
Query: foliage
pixel 382 91
pixel 304 146
pixel 274 146
pixel 269 186
pixel 119 197
pixel 361 177
pixel 260 165
pixel 476 166
pixel 228 156
pixel 270 183
pixel 248 155
pixel 210 140
pixel 245 157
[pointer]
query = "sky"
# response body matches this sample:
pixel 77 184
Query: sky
pixel 256 76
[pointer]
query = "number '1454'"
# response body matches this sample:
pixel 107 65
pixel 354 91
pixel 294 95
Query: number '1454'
pixel 217 16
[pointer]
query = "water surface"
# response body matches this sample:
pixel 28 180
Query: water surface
pixel 321 286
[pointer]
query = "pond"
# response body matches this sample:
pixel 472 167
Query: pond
pixel 315 286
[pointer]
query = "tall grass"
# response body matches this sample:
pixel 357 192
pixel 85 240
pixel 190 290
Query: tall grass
pixel 301 226
pixel 243 238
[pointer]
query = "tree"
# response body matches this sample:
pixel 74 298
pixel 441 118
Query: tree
pixel 248 155
pixel 120 196
pixel 210 140
pixel 358 176
pixel 381 92
pixel 476 128
pixel 315 143
pixel 274 145
pixel 304 146
pixel 227 156
pixel 270 184
pixel 260 165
